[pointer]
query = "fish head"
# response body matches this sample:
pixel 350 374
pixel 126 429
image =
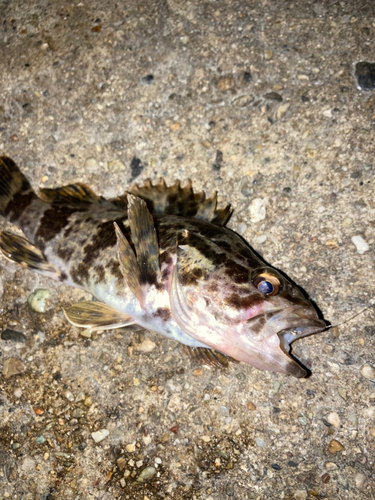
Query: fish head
pixel 241 308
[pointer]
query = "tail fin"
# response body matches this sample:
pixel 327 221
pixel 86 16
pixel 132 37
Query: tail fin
pixel 16 192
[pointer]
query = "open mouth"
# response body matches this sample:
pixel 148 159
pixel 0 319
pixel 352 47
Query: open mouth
pixel 288 336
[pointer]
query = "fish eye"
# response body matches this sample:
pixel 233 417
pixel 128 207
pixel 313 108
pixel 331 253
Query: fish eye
pixel 267 283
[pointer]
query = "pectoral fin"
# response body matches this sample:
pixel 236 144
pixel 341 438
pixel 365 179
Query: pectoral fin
pixel 21 251
pixel 140 269
pixel 96 316
pixel 208 357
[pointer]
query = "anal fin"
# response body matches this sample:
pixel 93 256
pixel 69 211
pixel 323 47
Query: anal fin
pixel 20 250
pixel 96 316
pixel 208 357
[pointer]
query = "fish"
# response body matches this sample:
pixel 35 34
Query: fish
pixel 160 258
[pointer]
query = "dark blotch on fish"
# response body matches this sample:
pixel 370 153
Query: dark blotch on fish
pixel 53 222
pixel 18 205
pixel 163 313
pixel 65 253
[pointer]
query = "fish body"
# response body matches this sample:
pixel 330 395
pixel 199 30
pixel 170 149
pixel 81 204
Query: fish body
pixel 158 257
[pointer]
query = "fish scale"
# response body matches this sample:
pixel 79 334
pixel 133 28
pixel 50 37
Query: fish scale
pixel 159 257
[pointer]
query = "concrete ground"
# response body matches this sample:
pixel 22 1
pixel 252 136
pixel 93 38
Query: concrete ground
pixel 259 101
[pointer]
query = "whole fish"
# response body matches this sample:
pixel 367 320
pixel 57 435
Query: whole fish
pixel 161 258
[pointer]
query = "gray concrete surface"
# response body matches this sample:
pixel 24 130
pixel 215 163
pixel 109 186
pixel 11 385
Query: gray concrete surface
pixel 256 100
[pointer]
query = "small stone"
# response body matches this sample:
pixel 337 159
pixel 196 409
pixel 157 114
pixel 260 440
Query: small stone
pixel 40 440
pixel 302 420
pixel 334 446
pixel 273 96
pixel 13 336
pixel 98 436
pixel 251 406
pixel 80 397
pixel 38 300
pixel 268 54
pixel 198 372
pixel 342 393
pixel 91 165
pixel 247 76
pixel 146 475
pixel 121 463
pixel 242 101
pixel 206 439
pixel 330 466
pixel 260 442
pixel 300 495
pixel 69 396
pixel 325 478
pixel 18 393
pixel 78 413
pixel 224 411
pixel 281 110
pixel 184 39
pixel 225 83
pixel 130 447
pixel 86 333
pixel 116 166
pixel 16 446
pixel 38 410
pixel 368 371
pixel 12 366
pixel 258 209
pixel 148 79
pixel 88 401
pixel 365 75
pixel 334 420
pixel 372 432
pixel 331 243
pixel 360 481
pixel 360 244
pixel 146 345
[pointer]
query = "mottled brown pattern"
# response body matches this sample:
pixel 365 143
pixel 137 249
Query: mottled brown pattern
pixel 163 313
pixel 53 222
pixel 65 252
pixel 63 276
pixel 114 268
pixel 242 302
pixel 100 273
pixel 189 277
pixel 17 206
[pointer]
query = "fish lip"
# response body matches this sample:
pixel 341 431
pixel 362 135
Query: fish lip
pixel 304 327
pixel 289 335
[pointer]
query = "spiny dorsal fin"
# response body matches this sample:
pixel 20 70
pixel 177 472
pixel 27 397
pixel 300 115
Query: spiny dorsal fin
pixel 20 250
pixel 72 194
pixel 177 200
pixel 96 316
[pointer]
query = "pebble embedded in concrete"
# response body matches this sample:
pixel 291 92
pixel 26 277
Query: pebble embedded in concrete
pixel 360 244
pixel 98 436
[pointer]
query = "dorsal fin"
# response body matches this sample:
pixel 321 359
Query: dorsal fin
pixel 177 200
pixel 72 194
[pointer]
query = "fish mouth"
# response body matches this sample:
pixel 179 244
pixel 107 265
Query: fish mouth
pixel 304 327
